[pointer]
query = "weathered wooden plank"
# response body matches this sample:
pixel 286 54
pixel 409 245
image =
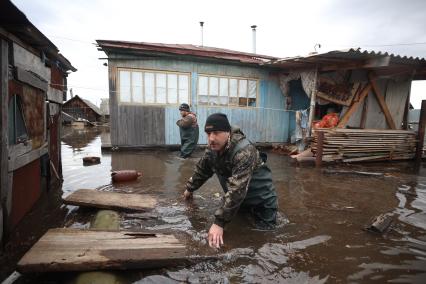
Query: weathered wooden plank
pixel 354 106
pixel 68 249
pixel 30 79
pixel 110 200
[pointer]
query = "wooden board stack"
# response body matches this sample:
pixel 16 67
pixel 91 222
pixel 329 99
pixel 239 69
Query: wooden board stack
pixel 355 145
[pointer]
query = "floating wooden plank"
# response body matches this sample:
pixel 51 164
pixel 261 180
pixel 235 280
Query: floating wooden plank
pixel 111 200
pixel 67 249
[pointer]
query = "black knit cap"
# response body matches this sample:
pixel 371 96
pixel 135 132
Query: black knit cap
pixel 217 122
pixel 184 107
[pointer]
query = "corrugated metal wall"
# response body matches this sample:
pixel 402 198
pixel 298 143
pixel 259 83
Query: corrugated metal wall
pixel 142 125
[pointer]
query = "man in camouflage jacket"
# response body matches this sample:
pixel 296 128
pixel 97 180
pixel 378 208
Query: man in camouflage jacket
pixel 243 175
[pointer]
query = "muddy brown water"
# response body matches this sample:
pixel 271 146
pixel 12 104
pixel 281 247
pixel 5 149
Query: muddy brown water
pixel 319 238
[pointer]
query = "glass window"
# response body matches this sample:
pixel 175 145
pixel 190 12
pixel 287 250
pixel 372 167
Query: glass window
pixel 172 95
pixel 137 95
pixel 252 93
pixel 214 91
pixel 183 89
pixel 125 86
pixel 149 88
pixel 160 84
pixel 242 92
pixel 223 91
pixel 203 85
pixel 16 125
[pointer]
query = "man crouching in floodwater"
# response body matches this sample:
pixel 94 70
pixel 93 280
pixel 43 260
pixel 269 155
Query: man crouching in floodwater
pixel 244 176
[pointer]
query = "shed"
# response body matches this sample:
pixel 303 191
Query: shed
pixel 33 76
pixel 80 108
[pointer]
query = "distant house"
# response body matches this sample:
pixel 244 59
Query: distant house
pixel 33 76
pixel 80 108
pixel 261 94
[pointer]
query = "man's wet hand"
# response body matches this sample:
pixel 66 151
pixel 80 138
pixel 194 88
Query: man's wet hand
pixel 187 195
pixel 215 236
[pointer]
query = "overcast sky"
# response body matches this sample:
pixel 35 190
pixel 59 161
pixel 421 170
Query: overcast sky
pixel 285 28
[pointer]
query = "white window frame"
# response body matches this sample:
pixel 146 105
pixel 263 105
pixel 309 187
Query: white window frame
pixel 208 76
pixel 155 72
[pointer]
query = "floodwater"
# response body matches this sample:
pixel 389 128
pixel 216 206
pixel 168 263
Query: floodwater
pixel 320 237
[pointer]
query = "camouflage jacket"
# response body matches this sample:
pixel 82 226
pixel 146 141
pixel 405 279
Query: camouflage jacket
pixel 188 121
pixel 236 169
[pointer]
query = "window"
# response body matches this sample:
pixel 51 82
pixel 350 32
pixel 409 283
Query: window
pixel 152 87
pixel 17 128
pixel 227 91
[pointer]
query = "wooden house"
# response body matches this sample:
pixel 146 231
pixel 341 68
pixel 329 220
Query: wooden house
pixel 33 84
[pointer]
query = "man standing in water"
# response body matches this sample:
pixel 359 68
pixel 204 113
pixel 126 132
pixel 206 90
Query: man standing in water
pixel 188 128
pixel 245 178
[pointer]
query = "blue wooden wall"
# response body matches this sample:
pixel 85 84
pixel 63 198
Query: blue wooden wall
pixel 268 122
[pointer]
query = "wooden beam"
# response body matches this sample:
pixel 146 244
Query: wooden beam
pixel 354 106
pixel 421 132
pixel 4 106
pixel 382 102
pixel 364 114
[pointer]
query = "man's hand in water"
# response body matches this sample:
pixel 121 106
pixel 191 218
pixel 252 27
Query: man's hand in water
pixel 215 236
pixel 187 195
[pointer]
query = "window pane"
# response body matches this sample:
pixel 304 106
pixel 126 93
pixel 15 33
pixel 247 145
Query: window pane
pixel 223 87
pixel 252 90
pixel 125 86
pixel 214 91
pixel 149 88
pixel 202 85
pixel 233 100
pixel 183 89
pixel 202 90
pixel 160 88
pixel 137 87
pixel 172 89
pixel 242 93
pixel 242 88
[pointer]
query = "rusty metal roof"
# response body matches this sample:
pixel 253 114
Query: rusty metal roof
pixel 182 49
pixel 15 22
pixel 353 58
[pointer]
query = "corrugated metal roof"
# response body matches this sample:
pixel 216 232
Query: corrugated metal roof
pixel 183 49
pixel 343 56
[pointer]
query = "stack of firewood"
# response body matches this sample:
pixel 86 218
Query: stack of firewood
pixel 354 145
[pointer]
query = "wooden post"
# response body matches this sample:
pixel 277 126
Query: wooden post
pixel 364 114
pixel 382 102
pixel 4 78
pixel 320 143
pixel 354 106
pixel 312 105
pixel 421 132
